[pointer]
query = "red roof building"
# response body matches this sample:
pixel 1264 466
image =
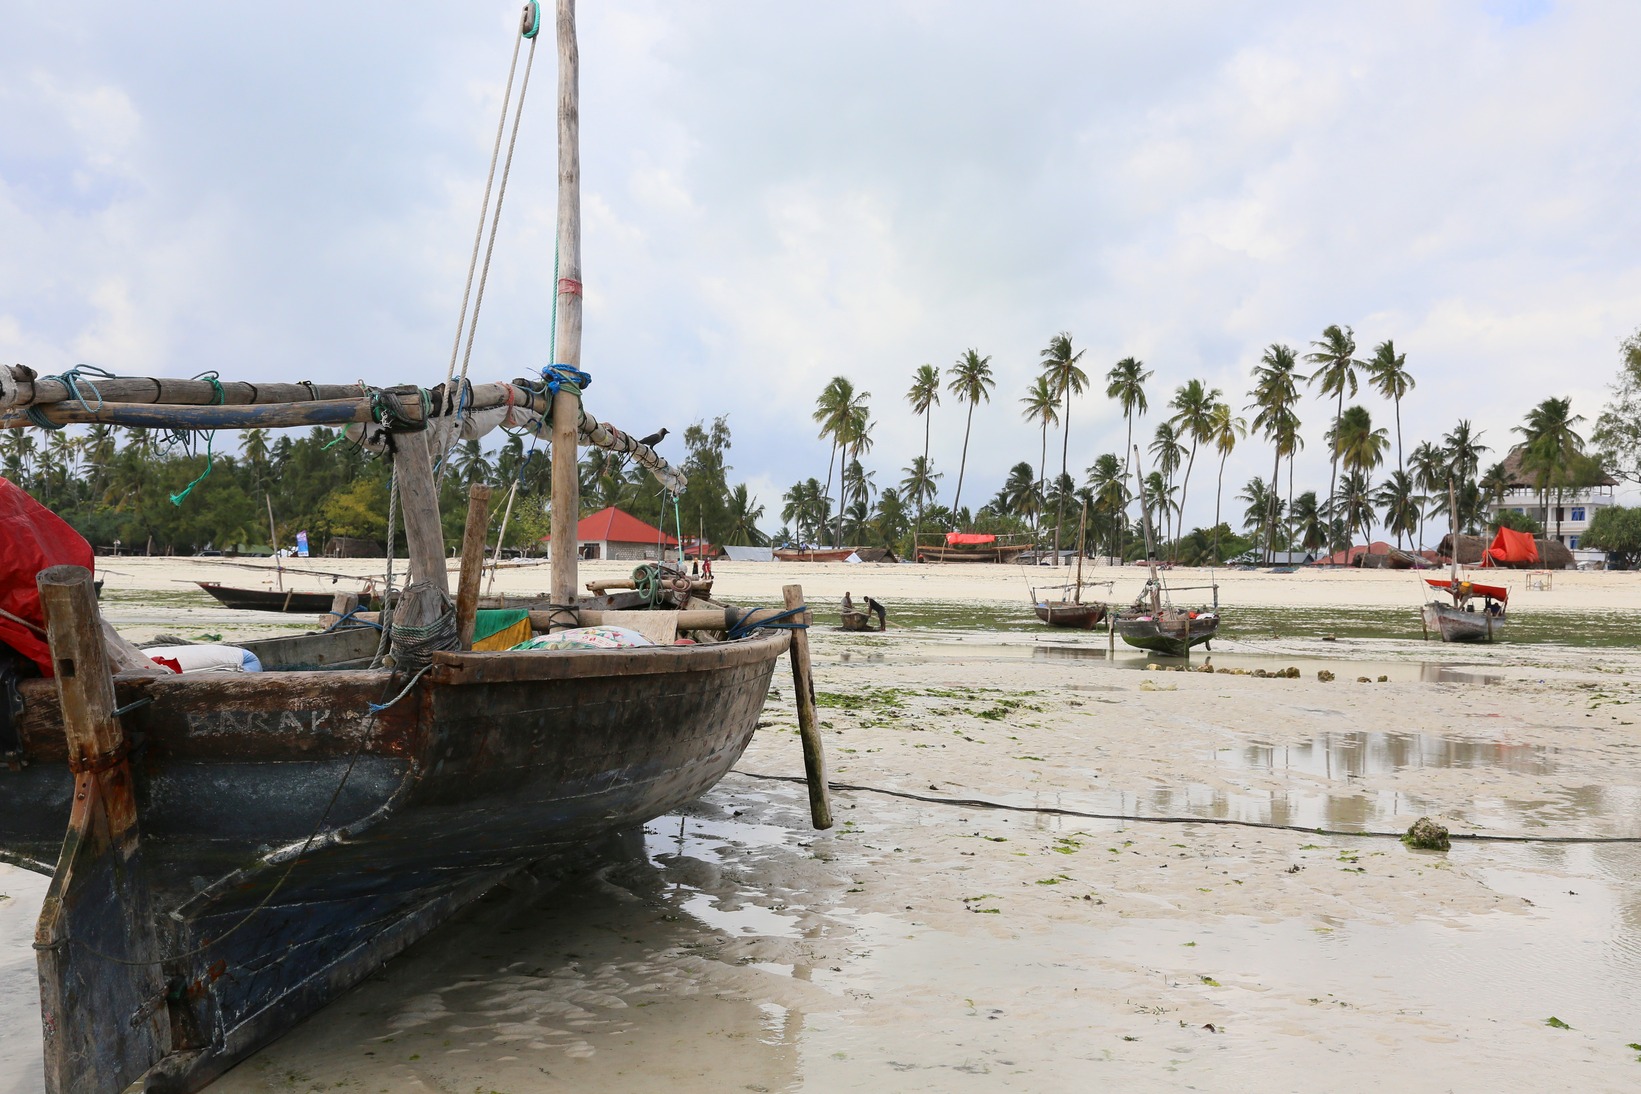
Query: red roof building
pixel 612 534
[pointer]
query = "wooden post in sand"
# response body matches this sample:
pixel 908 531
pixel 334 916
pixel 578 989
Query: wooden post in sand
pixel 425 599
pixel 102 993
pixel 814 755
pixel 467 585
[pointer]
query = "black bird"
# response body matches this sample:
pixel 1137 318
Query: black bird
pixel 653 439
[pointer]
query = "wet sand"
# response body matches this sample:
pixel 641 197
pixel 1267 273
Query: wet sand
pixel 935 945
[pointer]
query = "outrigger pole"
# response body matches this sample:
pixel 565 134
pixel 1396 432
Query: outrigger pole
pixel 566 506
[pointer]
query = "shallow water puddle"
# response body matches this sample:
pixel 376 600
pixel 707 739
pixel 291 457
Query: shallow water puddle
pixel 1357 754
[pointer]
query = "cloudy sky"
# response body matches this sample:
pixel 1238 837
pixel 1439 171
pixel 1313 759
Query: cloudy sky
pixel 777 193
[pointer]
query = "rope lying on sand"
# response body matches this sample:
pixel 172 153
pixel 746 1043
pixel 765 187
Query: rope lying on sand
pixel 1055 811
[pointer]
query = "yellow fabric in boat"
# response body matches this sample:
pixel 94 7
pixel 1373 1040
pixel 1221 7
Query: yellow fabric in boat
pixel 500 630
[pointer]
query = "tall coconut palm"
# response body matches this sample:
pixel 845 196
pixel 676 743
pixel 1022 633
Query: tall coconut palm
pixel 743 515
pixel 1429 474
pixel 1275 393
pixel 1308 524
pixel 1126 384
pixel 854 437
pixel 1400 501
pixel 924 394
pixel 1108 487
pixel 920 483
pixel 1463 449
pixel 1355 443
pixel 1042 405
pixel 1335 356
pixel 971 381
pixel 1388 375
pixel 1066 378
pixel 1356 510
pixel 1552 448
pixel 1264 507
pixel 1226 430
pixel 832 410
pixel 1193 406
pixel 1166 447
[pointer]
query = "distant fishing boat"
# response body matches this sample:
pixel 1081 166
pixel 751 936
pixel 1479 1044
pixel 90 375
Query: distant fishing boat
pixel 274 600
pixel 1460 620
pixel 1152 622
pixel 813 554
pixel 1073 613
pixel 972 547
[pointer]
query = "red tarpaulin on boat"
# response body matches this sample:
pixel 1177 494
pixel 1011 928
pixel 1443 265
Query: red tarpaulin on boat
pixel 32 537
pixel 968 539
pixel 1470 588
pixel 1510 546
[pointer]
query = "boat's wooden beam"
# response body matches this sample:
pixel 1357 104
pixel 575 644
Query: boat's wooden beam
pixel 167 416
pixel 102 996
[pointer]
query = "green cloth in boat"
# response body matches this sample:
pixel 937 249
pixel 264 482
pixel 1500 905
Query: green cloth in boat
pixel 491 621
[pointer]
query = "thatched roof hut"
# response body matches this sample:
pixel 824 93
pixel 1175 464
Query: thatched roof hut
pixel 1552 554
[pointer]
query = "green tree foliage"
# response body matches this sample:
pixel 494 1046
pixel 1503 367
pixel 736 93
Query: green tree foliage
pixel 1616 530
pixel 1517 522
pixel 1617 434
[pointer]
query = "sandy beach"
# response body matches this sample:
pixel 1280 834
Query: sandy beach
pixel 980 919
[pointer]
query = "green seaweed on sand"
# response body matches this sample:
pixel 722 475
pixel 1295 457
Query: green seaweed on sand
pixel 1556 1023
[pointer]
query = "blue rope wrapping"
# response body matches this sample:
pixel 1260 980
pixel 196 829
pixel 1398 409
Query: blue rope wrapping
pixel 774 622
pixel 349 615
pixel 377 708
pixel 558 376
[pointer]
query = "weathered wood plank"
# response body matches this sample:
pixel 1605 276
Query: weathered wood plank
pixel 467 585
pixel 101 993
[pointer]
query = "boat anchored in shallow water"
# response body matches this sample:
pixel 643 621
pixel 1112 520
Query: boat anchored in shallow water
pixel 1152 622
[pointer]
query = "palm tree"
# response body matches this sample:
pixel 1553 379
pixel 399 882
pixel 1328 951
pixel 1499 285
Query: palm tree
pixel 1020 495
pixel 919 483
pixel 1335 354
pixel 889 518
pixel 1463 449
pixel 1552 448
pixel 832 413
pixel 1387 373
pixel 1495 484
pixel 808 509
pixel 1166 448
pixel 1429 475
pixel 971 381
pixel 1126 384
pixel 1275 393
pixel 1066 378
pixel 1224 432
pixel 1354 441
pixel 1356 501
pixel 1264 507
pixel 923 395
pixel 854 437
pixel 743 514
pixel 471 464
pixel 1108 487
pixel 1401 503
pixel 1193 405
pixel 1308 522
pixel 1159 499
pixel 1042 405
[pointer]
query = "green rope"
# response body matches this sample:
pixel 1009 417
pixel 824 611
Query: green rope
pixel 218 398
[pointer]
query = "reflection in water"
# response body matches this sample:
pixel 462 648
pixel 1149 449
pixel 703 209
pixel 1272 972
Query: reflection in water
pixel 1348 755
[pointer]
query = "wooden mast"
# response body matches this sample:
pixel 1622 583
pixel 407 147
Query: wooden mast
pixel 1145 526
pixel 1082 523
pixel 566 509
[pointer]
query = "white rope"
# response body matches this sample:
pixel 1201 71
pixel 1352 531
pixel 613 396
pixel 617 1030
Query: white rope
pixel 490 247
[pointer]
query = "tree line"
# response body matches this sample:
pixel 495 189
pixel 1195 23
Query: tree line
pixel 1441 478
pixel 153 493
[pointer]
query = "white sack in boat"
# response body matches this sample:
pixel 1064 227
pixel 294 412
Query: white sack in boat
pixel 208 658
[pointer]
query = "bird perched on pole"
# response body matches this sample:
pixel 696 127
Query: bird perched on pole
pixel 653 439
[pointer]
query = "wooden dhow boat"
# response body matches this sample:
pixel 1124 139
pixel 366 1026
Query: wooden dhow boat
pixel 971 547
pixel 1152 622
pixel 241 848
pixel 1073 613
pixel 1459 620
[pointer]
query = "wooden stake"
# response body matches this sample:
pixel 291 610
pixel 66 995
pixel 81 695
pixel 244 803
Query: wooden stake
pixel 566 407
pixel 105 1022
pixel 814 754
pixel 467 585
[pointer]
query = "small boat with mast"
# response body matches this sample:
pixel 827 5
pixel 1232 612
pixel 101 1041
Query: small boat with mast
pixel 1152 622
pixel 1074 613
pixel 242 848
pixel 1457 619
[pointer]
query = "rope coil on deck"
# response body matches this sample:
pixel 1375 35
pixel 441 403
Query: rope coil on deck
pixel 745 626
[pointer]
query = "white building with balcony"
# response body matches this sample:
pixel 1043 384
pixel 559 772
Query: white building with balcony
pixel 1573 509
